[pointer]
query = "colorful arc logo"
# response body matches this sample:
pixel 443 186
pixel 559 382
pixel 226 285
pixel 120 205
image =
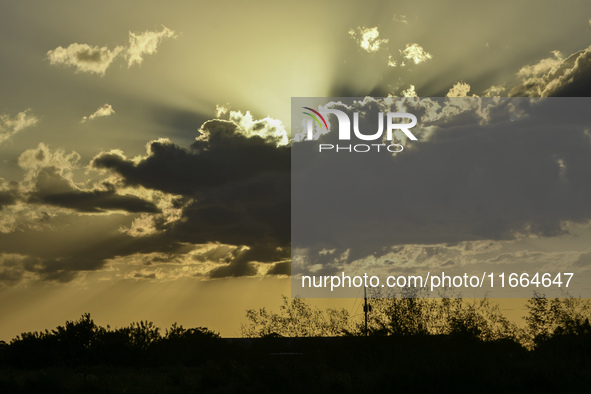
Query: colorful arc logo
pixel 316 118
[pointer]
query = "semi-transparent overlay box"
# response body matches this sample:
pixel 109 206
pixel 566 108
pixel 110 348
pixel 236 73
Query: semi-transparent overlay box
pixel 436 197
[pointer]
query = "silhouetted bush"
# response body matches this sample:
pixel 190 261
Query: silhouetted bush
pixel 82 342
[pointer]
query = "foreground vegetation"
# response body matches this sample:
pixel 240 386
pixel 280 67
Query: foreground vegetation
pixel 435 344
pixel 546 319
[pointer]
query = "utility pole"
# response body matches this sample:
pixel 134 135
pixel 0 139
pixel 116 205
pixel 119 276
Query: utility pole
pixel 366 308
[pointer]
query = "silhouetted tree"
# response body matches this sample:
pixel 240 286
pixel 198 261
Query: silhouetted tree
pixel 414 315
pixel 296 318
pixel 548 318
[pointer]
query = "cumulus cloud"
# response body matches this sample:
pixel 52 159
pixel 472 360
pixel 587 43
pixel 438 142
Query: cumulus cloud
pixel 494 91
pixel 96 59
pixel 459 89
pixel 368 38
pixel 415 53
pixel 145 43
pixel 84 57
pixel 391 61
pixel 104 110
pixel 33 160
pixel 542 67
pixel 269 129
pixel 556 76
pixel 10 125
pixel 410 92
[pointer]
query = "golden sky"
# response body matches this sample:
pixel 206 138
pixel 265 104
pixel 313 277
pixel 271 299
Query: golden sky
pixel 144 169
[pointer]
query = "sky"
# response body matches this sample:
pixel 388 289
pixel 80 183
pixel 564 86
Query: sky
pixel 144 146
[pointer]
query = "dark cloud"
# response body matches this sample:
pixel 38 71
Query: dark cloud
pixel 239 185
pixel 52 189
pixel 13 268
pixel 7 198
pixel 584 260
pixel 8 193
pixel 221 156
pixel 282 268
pixel 61 259
pixel 233 269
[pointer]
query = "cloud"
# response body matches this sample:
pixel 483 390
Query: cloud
pixel 556 76
pixel 8 193
pixel 465 257
pixel 34 160
pixel 198 261
pixel 14 268
pixel 415 53
pixel 96 59
pixel 205 261
pixel 269 129
pixel 48 192
pixel 53 189
pixel 223 154
pixel 460 89
pixel 400 18
pixel 84 57
pixel 9 125
pixel 410 92
pixel 494 91
pixel 391 61
pixel 147 224
pixel 235 180
pixel 145 43
pixel 368 38
pixel 542 67
pixel 49 181
pixel 280 269
pixel 104 110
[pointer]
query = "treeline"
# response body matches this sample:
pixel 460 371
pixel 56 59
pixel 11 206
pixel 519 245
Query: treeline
pixel 83 342
pixel 447 344
pixel 546 319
